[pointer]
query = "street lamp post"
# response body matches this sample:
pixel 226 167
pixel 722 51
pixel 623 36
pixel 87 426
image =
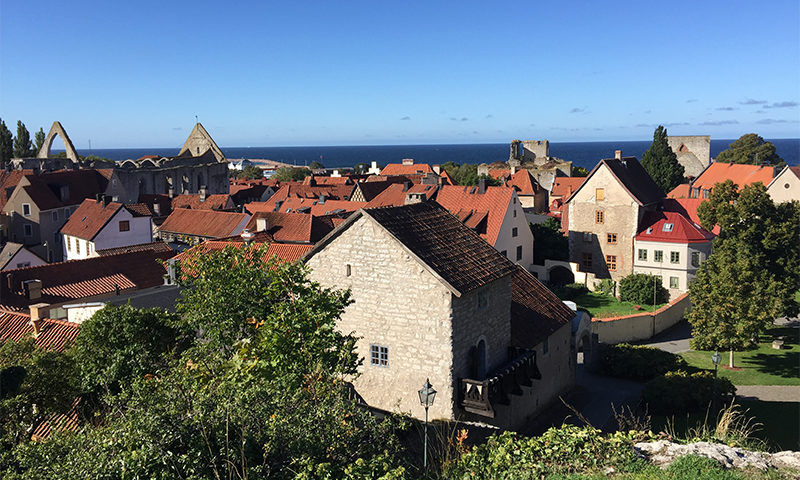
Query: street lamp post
pixel 716 359
pixel 426 396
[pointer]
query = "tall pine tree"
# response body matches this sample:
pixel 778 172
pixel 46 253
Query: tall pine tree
pixel 6 144
pixel 22 142
pixel 39 139
pixel 661 162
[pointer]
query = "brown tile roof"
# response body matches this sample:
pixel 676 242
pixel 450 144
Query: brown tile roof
pixel 395 195
pixel 564 186
pixel 633 178
pixel 536 312
pixel 55 335
pixel 292 227
pixel 9 180
pixel 457 254
pixel 140 209
pixel 740 174
pixel 299 190
pixel 370 190
pixel 309 205
pixel 204 223
pixel 45 189
pixel 681 191
pixel 142 247
pixel 78 279
pixel 465 202
pixel 400 169
pixel 279 251
pixel 324 180
pixel 212 202
pixel 90 217
pixel 524 183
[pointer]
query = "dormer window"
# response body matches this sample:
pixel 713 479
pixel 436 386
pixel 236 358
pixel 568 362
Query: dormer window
pixel 26 209
pixel 667 227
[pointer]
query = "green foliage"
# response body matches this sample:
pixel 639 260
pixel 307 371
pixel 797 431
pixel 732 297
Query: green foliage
pixel 36 383
pixel 6 144
pixel 752 276
pixel 641 288
pixel 290 174
pixel 637 362
pixel 22 142
pixel 559 451
pixel 692 467
pixel 661 162
pixel 570 291
pixel 751 149
pixel 120 344
pixel 607 286
pixel 39 138
pixel 250 172
pixel 680 392
pixel 361 168
pixel 467 174
pixel 579 172
pixel 549 241
pixel 315 165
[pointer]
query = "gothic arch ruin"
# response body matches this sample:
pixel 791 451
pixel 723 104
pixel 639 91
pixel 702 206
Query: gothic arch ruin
pixel 57 129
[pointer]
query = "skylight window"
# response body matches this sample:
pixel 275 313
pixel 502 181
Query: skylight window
pixel 667 227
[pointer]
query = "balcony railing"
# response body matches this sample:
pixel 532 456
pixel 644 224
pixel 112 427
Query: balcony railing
pixel 480 396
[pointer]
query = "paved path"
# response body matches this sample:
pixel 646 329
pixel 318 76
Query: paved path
pixel 769 393
pixel 597 394
pixel 674 339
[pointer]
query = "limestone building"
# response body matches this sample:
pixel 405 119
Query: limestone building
pixel 693 152
pixel 785 187
pixel 434 300
pixel 604 214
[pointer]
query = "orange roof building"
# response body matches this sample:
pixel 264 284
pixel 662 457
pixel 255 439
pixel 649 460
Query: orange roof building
pixel 740 174
pixel 407 167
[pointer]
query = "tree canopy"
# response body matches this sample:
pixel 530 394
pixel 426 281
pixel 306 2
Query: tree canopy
pixel 753 273
pixel 661 162
pixel 549 241
pixel 467 174
pixel 290 174
pixel 22 142
pixel 751 149
pixel 250 172
pixel 6 144
pixel 579 172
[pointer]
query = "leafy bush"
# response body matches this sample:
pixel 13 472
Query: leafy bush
pixel 606 287
pixel 638 288
pixel 559 451
pixel 680 392
pixel 637 362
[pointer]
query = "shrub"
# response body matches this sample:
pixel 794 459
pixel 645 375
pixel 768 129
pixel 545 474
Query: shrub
pixel 680 392
pixel 607 287
pixel 570 291
pixel 637 362
pixel 638 288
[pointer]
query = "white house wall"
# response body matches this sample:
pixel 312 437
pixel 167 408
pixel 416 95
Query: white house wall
pixel 141 231
pixel 23 258
pixel 508 243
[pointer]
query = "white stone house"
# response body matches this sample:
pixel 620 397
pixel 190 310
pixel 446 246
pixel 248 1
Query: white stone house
pixel 672 247
pixel 433 300
pixel 100 224
pixel 785 187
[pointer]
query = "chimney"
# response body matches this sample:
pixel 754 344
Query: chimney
pixel 203 193
pixel 261 224
pixel 414 197
pixel 171 192
pixel 437 169
pixel 482 185
pixel 39 312
pixel 618 154
pixel 247 236
pixel 322 199
pixel 406 185
pixel 513 169
pixel 157 209
pixel 106 199
pixel 33 289
pixel 408 161
pixel 98 197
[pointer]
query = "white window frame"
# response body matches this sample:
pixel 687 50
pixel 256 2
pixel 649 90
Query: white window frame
pixel 26 209
pixel 378 355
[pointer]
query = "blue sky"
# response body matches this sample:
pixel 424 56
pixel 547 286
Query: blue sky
pixel 135 74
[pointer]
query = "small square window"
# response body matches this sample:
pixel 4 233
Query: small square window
pixel 695 259
pixel 642 254
pixel 26 209
pixel 379 355
pixel 674 257
pixel 124 225
pixel 514 232
pixel 674 282
pixel 667 227
pixel 600 194
pixel 54 215
pixel 348 270
pixel 519 253
pixel 611 238
pixel 658 256
pixel 599 216
pixel 28 230
pixel 587 261
pixel 611 263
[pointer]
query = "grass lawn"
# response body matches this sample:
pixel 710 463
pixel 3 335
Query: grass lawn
pixel 761 366
pixel 602 306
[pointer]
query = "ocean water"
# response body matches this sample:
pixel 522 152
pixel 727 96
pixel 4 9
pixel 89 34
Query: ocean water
pixel 583 154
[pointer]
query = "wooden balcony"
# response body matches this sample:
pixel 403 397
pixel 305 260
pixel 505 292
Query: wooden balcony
pixel 480 396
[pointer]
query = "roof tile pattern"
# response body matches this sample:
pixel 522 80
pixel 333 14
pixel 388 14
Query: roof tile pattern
pixel 90 218
pixel 292 227
pixel 456 253
pixel 394 195
pixel 212 202
pixel 740 174
pixel 524 183
pixel 45 190
pixel 466 201
pixel 401 169
pixel 142 247
pixel 536 312
pixel 671 227
pixel 203 223
pixel 55 335
pixel 633 178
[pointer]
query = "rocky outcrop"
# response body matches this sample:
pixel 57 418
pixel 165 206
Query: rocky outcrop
pixel 664 452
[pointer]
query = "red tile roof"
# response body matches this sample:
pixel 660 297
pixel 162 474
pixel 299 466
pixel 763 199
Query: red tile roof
pixel 78 279
pixel 307 205
pixel 9 180
pixel 740 174
pixel 681 191
pixel 536 312
pixel 293 227
pixel 142 247
pixel 58 422
pixel 671 227
pixel 564 186
pixel 299 190
pixel 465 202
pixel 401 169
pixel 54 335
pixel 500 173
pixel 688 208
pixel 395 195
pixel 323 180
pixel 204 223
pixel 90 218
pixel 45 189
pixel 212 202
pixel 524 183
pixel 279 251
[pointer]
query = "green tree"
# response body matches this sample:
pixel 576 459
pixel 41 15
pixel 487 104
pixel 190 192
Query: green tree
pixel 6 144
pixel 549 241
pixel 753 273
pixel 661 162
pixel 751 149
pixel 361 168
pixel 579 172
pixel 22 142
pixel 39 138
pixel 315 165
pixel 467 174
pixel 643 289
pixel 250 172
pixel 291 174
pixel 120 344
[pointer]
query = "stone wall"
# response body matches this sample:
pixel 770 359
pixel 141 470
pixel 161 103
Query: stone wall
pixel 693 152
pixel 640 326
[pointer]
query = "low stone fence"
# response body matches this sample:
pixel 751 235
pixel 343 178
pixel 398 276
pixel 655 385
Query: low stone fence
pixel 640 326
